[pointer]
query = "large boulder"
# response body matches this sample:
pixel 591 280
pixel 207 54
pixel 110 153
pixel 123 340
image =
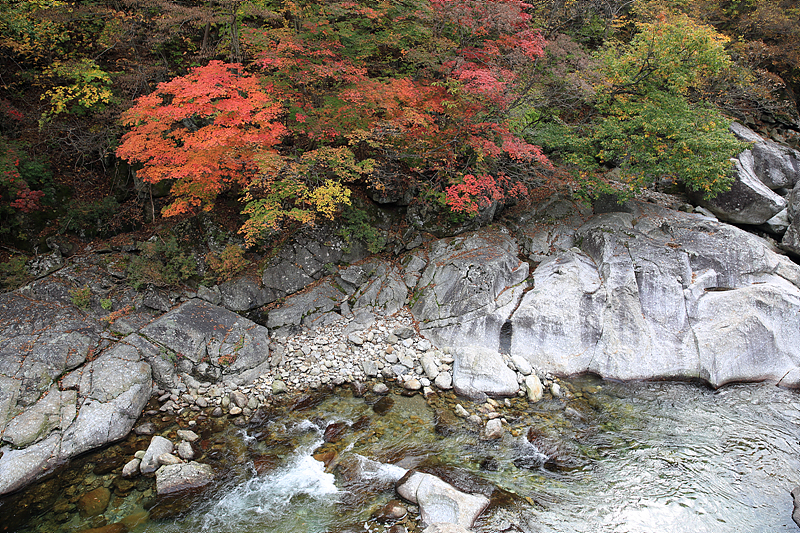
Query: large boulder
pixel 206 336
pixel 92 406
pixel 469 288
pixel 439 502
pixel 481 371
pixel 663 294
pixel 777 166
pixel 748 201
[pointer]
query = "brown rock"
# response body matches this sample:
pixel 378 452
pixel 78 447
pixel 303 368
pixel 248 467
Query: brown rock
pixel 133 520
pixel 393 510
pixel 94 502
pixel 326 457
pixel 111 528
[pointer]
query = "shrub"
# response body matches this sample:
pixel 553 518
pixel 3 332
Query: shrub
pixel 161 263
pixel 13 273
pixel 227 264
pixel 81 297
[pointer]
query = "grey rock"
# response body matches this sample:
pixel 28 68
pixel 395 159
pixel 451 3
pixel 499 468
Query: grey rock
pixel 412 384
pixel 145 428
pixel 469 289
pixel 445 528
pixel 303 307
pixel 203 332
pixel 370 369
pixel 439 502
pixel 777 166
pixel 385 290
pixel 404 332
pixel 44 264
pixel 429 366
pixel 131 468
pixel 19 467
pixel 444 381
pixel 279 387
pixel 185 451
pixel 652 294
pixel 777 224
pixel 244 294
pixel 155 299
pixel 286 278
pixel 549 228
pixel 113 389
pixel 188 435
pixel 180 477
pixel 210 294
pixel 56 410
pixel 533 388
pixel 493 429
pixel 380 388
pixel 748 201
pixel 239 399
pixel 158 446
pixel 479 371
pixel 166 459
pixel 521 364
pixel 791 239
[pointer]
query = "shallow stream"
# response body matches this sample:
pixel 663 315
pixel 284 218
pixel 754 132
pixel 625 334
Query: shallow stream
pixel 610 457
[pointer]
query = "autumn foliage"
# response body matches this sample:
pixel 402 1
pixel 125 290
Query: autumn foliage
pixel 204 130
pixel 289 110
pixel 323 102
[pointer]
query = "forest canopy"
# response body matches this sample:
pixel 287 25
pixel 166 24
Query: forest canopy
pixel 290 110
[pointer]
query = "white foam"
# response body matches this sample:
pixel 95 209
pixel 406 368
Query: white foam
pixel 271 496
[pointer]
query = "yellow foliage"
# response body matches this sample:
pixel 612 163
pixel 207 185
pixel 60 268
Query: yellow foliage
pixel 90 90
pixel 328 198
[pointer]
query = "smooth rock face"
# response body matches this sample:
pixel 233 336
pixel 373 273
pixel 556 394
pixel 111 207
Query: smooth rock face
pixel 469 288
pixel 439 502
pixel 179 477
pixel 202 332
pixel 663 294
pixel 479 371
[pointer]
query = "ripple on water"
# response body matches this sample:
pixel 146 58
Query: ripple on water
pixel 632 458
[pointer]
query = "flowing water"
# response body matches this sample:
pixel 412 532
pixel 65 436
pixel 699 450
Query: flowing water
pixel 641 457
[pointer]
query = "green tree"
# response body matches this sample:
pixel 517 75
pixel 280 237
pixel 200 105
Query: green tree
pixel 649 118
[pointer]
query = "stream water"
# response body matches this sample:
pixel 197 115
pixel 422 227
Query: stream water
pixel 612 457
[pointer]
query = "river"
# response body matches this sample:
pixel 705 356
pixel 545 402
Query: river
pixel 610 457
